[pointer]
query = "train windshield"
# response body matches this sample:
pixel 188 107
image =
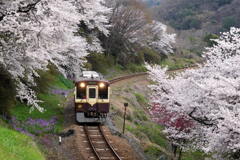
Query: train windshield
pixel 103 93
pixel 92 92
pixel 81 93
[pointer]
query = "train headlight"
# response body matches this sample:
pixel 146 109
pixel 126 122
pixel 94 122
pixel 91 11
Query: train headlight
pixel 82 85
pixel 101 85
pixel 79 106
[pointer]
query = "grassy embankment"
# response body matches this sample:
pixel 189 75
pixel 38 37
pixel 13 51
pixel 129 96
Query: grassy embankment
pixel 17 138
pixel 17 146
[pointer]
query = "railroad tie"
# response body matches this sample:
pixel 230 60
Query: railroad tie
pixel 107 158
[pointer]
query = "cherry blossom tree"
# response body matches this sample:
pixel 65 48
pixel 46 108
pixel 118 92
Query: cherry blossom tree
pixel 155 35
pixel 207 97
pixel 36 33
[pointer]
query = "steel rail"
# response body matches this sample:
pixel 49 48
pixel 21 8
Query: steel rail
pixel 90 142
pixel 114 154
pixel 109 145
pixel 127 77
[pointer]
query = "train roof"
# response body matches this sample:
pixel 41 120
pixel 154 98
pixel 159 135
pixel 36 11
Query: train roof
pixel 91 76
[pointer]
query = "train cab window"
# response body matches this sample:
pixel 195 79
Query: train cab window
pixel 81 93
pixel 103 93
pixel 92 92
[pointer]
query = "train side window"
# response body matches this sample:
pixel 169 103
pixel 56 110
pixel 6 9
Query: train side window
pixel 92 93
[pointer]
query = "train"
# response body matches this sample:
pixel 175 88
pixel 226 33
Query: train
pixel 91 98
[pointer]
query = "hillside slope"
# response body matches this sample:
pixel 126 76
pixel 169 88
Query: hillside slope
pixel 140 130
pixel 212 16
pixel 17 146
pixel 198 21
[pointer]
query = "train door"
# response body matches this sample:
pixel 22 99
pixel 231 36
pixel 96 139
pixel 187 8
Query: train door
pixel 92 94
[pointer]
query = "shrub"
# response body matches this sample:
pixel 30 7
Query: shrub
pixel 209 39
pixel 150 56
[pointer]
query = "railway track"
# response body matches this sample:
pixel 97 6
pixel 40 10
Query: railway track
pixel 144 73
pixel 127 77
pixel 100 146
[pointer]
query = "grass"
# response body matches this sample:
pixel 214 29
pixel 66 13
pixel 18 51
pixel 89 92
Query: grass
pixel 140 115
pixel 177 62
pixel 153 132
pixel 197 155
pixel 53 105
pixel 141 99
pixel 17 146
pixel 152 152
pixel 61 82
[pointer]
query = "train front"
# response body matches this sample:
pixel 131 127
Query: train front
pixel 92 100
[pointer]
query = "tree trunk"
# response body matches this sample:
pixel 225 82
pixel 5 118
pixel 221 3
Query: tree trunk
pixel 180 154
pixel 174 150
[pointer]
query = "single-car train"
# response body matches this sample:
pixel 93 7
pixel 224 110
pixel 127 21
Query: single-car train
pixel 91 97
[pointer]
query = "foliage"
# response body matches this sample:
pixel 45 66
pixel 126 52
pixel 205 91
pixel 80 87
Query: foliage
pixel 17 146
pixel 202 104
pixel 65 83
pixel 100 62
pixel 51 79
pixel 209 39
pixel 150 55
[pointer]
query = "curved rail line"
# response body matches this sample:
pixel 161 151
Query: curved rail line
pixel 127 77
pixel 144 73
pixel 99 156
